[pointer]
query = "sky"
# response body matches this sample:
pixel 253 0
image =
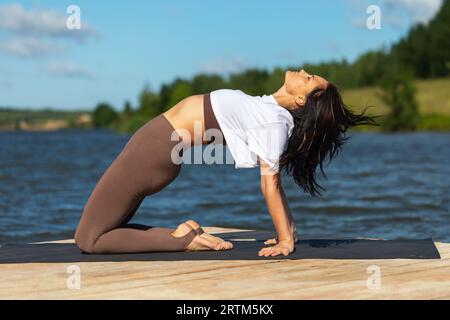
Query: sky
pixel 123 45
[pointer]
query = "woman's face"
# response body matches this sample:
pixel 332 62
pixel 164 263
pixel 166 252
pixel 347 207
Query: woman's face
pixel 300 83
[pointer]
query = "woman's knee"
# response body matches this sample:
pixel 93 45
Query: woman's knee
pixel 84 242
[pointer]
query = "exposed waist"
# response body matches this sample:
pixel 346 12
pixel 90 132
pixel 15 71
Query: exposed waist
pixel 210 119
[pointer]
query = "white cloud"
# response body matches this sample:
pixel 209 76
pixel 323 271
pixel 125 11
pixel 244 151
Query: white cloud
pixel 29 47
pixel 69 70
pixel 31 33
pixel 420 10
pixel 224 65
pixel 39 22
pixel 395 13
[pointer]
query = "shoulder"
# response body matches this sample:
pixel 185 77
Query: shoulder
pixel 285 120
pixel 285 116
pixel 279 113
pixel 228 97
pixel 227 92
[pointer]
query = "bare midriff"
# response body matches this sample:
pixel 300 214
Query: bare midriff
pixel 187 116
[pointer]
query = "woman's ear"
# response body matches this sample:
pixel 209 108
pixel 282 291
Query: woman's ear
pixel 300 101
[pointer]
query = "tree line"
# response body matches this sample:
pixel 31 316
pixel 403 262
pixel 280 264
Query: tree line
pixel 423 53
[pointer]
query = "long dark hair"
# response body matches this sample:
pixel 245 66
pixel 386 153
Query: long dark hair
pixel 319 130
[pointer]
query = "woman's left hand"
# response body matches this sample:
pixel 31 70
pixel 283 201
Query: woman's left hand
pixel 282 247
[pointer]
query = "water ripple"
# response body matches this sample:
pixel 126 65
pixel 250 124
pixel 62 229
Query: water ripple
pixel 380 185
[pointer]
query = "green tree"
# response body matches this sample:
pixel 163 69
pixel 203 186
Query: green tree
pixel 149 102
pixel 275 80
pixel 164 94
pixel 203 83
pixel 251 81
pixel 369 68
pixel 104 115
pixel 399 94
pixel 127 109
pixel 180 89
pixel 426 47
pixel 439 29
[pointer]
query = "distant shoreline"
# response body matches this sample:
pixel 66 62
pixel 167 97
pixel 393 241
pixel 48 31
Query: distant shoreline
pixel 433 97
pixel 21 120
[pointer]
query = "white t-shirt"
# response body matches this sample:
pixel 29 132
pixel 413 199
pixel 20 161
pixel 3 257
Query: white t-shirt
pixel 253 126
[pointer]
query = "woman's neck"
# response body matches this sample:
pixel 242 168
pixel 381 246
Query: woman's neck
pixel 284 99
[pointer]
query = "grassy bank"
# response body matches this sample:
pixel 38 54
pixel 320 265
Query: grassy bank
pixel 433 97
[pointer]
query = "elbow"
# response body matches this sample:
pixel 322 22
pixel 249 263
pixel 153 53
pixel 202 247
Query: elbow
pixel 270 189
pixel 270 184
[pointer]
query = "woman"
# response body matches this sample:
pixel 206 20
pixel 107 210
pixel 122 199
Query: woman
pixel 292 130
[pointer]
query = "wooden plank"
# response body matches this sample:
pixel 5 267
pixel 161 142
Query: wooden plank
pixel 230 279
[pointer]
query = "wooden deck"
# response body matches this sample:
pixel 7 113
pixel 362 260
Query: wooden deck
pixel 215 279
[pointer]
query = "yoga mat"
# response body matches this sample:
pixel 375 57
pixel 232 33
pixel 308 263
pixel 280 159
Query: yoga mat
pixel 246 245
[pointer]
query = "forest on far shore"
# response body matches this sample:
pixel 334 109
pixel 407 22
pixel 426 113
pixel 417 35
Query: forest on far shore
pixel 393 79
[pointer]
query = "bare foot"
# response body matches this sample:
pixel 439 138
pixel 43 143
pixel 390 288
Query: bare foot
pixel 198 243
pixel 225 245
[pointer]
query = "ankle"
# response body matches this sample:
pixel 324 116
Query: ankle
pixel 182 230
pixel 194 224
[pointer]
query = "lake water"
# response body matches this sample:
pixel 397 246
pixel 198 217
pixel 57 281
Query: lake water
pixel 382 185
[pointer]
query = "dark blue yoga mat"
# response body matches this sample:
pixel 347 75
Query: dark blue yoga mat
pixel 246 245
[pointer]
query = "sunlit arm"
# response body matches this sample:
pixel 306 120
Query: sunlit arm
pixel 277 204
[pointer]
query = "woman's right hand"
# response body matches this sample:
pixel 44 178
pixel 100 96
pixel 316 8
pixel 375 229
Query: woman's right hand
pixel 275 240
pixel 284 247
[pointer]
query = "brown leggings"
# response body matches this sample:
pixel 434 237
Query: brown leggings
pixel 142 168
